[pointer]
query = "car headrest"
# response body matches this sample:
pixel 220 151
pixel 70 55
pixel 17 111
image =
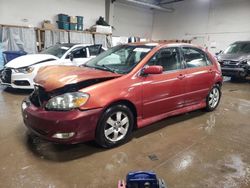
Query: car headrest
pixel 166 54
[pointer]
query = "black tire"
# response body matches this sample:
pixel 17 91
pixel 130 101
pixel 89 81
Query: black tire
pixel 210 107
pixel 112 112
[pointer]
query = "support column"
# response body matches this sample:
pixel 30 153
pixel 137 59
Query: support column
pixel 109 11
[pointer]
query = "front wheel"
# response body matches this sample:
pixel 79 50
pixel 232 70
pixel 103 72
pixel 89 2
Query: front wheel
pixel 114 126
pixel 213 98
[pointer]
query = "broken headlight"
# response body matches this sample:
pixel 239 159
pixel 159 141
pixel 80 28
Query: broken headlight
pixel 67 101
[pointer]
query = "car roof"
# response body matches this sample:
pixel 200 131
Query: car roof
pixel 70 45
pixel 161 44
pixel 242 42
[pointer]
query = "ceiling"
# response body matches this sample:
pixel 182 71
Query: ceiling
pixel 161 5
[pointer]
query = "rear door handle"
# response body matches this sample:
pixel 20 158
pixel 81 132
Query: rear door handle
pixel 181 76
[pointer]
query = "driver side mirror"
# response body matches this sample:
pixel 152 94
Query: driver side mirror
pixel 71 57
pixel 218 53
pixel 154 69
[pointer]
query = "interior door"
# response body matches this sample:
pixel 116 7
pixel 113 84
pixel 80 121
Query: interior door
pixel 80 56
pixel 199 75
pixel 164 92
pixel 95 50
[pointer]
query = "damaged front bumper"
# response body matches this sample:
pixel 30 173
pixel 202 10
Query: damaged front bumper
pixel 238 72
pixel 68 127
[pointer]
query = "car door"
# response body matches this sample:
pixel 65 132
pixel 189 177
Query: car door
pixel 92 52
pixel 95 50
pixel 79 56
pixel 199 75
pixel 164 92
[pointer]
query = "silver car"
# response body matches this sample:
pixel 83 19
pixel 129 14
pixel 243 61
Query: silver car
pixel 235 60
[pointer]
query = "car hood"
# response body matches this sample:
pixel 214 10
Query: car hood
pixel 55 77
pixel 28 60
pixel 234 57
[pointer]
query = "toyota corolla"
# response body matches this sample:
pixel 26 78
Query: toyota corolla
pixel 125 88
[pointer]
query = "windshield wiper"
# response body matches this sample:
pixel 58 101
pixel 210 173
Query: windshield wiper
pixel 108 68
pixel 102 67
pixel 84 65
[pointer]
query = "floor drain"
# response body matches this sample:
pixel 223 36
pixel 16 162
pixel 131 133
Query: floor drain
pixel 153 157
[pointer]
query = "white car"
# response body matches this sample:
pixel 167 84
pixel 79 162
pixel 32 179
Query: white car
pixel 20 72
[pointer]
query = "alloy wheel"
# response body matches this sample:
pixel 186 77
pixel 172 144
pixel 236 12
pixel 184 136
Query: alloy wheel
pixel 117 126
pixel 214 97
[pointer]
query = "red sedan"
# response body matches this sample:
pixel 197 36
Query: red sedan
pixel 127 87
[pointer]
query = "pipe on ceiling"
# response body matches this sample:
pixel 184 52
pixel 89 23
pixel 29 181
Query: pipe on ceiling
pixel 153 6
pixel 170 2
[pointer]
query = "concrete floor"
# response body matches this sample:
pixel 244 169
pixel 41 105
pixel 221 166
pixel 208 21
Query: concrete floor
pixel 197 149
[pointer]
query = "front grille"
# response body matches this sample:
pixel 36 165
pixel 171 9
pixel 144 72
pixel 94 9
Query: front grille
pixel 21 83
pixel 39 96
pixel 230 64
pixel 6 75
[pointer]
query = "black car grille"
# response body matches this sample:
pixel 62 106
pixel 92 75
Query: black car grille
pixel 39 96
pixel 21 83
pixel 230 64
pixel 6 75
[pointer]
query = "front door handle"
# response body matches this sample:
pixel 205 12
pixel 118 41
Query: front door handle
pixel 181 76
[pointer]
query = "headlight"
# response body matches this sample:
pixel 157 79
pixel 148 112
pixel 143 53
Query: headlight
pixel 67 101
pixel 25 70
pixel 244 62
pixel 248 62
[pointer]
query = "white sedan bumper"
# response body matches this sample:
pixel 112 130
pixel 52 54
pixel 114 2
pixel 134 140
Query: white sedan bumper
pixel 10 78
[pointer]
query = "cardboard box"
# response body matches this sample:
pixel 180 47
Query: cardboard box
pixel 73 19
pixel 102 29
pixel 48 26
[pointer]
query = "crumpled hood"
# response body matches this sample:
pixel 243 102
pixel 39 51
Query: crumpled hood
pixel 28 60
pixel 234 57
pixel 55 77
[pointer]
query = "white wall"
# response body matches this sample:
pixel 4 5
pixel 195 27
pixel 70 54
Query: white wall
pixel 127 19
pixel 13 12
pixel 212 22
pixel 130 20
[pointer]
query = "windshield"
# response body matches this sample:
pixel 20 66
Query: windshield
pixel 120 59
pixel 57 50
pixel 238 48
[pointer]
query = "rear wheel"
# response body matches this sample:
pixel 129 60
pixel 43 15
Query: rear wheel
pixel 115 126
pixel 213 98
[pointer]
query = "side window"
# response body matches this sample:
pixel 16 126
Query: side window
pixel 168 58
pixel 95 50
pixel 195 57
pixel 79 53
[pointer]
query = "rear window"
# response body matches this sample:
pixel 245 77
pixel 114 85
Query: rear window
pixel 195 57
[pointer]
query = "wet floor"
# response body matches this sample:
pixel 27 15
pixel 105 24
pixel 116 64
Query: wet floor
pixel 197 149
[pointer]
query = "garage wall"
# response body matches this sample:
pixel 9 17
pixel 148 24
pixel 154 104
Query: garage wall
pixel 35 11
pixel 211 23
pixel 130 20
